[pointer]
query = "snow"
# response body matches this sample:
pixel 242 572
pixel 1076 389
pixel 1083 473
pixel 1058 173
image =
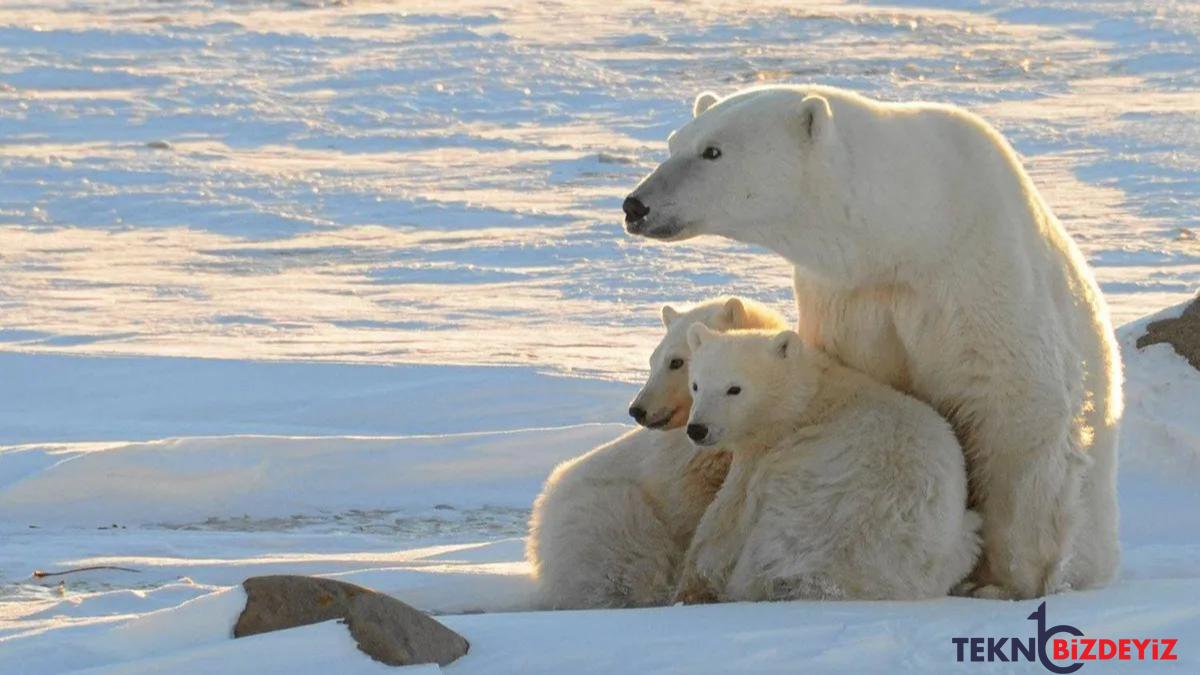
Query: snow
pixel 356 182
pixel 1161 406
pixel 328 288
pixel 438 520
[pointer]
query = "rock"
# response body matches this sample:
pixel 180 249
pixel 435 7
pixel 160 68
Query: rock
pixel 286 601
pixel 1183 333
pixel 613 158
pixel 396 634
pixel 159 145
pixel 385 629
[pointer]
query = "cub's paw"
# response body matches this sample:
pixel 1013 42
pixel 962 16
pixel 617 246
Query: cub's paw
pixel 965 589
pixel 694 592
pixel 701 597
pixel 992 592
pixel 805 587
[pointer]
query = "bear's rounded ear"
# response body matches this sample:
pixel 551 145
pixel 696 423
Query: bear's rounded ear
pixel 816 118
pixel 786 344
pixel 703 102
pixel 735 313
pixel 698 333
pixel 669 314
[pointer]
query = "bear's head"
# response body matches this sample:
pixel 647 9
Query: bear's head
pixel 745 384
pixel 664 400
pixel 748 167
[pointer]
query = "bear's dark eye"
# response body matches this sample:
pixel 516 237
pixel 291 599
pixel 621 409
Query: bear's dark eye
pixel 734 390
pixel 694 387
pixel 711 153
pixel 675 364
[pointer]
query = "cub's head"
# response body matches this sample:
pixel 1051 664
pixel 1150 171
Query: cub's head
pixel 744 383
pixel 742 167
pixel 664 400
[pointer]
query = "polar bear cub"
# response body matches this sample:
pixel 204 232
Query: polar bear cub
pixel 611 527
pixel 840 487
pixel 664 401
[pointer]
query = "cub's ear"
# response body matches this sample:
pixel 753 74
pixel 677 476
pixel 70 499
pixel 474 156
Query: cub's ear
pixel 698 334
pixel 816 118
pixel 735 313
pixel 669 314
pixel 703 102
pixel 786 344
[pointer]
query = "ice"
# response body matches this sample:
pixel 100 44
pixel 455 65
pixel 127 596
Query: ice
pixel 358 183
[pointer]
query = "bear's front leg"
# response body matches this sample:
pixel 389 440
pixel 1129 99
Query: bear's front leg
pixel 695 584
pixel 1027 470
pixel 693 588
pixel 709 557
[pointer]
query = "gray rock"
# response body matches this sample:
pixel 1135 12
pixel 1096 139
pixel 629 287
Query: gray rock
pixel 396 634
pixel 385 629
pixel 285 601
pixel 1183 333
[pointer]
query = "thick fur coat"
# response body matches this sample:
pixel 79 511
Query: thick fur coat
pixel 610 527
pixel 840 487
pixel 925 257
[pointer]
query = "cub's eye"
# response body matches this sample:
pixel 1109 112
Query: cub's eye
pixel 733 391
pixel 711 153
pixel 694 387
pixel 675 364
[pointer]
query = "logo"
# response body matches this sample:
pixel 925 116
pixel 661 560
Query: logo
pixel 1062 648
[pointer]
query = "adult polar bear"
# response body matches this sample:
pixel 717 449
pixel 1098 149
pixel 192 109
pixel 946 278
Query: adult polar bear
pixel 925 257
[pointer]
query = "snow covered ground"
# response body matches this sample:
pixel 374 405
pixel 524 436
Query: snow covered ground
pixel 392 232
pixel 436 519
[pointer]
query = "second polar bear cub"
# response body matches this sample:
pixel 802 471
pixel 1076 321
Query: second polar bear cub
pixel 611 526
pixel 840 487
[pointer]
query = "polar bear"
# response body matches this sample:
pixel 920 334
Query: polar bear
pixel 925 257
pixel 840 488
pixel 664 400
pixel 610 527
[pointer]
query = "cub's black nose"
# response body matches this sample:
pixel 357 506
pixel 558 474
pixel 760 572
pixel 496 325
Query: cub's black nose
pixel 697 432
pixel 637 414
pixel 634 209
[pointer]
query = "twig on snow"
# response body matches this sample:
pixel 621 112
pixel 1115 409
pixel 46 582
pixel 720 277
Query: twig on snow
pixel 39 574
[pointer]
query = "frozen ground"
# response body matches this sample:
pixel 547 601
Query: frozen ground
pixel 437 519
pixel 393 229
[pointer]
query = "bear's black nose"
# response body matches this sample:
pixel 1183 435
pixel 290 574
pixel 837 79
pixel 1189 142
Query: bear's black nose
pixel 634 209
pixel 697 432
pixel 637 413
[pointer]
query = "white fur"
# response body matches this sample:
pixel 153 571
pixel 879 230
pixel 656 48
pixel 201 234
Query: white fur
pixel 840 487
pixel 611 526
pixel 926 258
pixel 665 396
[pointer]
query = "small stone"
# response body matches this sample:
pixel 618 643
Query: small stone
pixel 159 145
pixel 385 629
pixel 1183 333
pixel 614 158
